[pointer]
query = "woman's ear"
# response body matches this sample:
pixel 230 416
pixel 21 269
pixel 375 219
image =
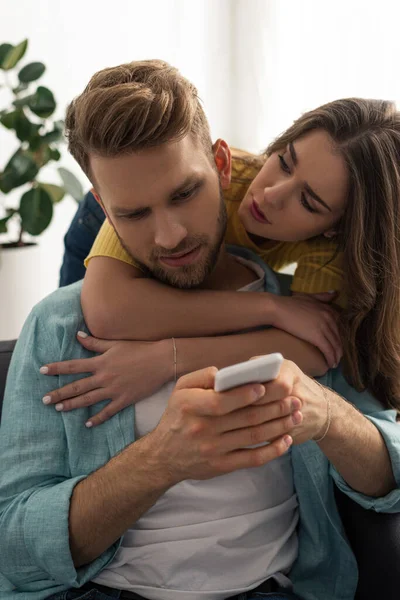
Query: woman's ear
pixel 330 234
pixel 223 162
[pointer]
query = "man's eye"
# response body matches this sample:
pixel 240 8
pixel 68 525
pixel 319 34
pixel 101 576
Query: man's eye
pixel 135 216
pixel 284 165
pixel 182 196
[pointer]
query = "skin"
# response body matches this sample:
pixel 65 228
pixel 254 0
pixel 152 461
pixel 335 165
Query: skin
pixel 281 191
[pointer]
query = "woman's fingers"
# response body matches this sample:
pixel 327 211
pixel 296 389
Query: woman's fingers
pixel 94 344
pixel 108 411
pixel 70 367
pixel 72 390
pixel 80 401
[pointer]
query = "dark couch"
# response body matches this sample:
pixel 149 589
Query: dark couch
pixel 375 538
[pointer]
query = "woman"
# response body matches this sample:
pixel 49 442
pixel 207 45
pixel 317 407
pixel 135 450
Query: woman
pixel 366 135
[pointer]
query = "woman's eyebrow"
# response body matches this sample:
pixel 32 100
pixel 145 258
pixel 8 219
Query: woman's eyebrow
pixel 306 186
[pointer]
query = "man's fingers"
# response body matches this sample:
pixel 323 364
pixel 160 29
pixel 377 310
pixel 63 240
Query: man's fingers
pixel 76 388
pixel 70 367
pixel 214 404
pixel 203 378
pixel 94 344
pixel 255 457
pixel 258 413
pixel 251 436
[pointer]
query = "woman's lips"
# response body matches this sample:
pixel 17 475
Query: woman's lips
pixel 257 214
pixel 183 259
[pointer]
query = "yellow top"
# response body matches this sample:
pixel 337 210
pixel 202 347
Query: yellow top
pixel 319 266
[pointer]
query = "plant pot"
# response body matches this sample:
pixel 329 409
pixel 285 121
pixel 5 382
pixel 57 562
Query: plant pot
pixel 22 277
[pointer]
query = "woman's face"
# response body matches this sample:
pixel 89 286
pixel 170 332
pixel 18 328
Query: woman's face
pixel 299 193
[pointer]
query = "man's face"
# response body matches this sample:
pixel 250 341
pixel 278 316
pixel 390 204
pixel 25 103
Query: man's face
pixel 166 206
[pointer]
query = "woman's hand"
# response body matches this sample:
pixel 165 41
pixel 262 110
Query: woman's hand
pixel 124 372
pixel 311 318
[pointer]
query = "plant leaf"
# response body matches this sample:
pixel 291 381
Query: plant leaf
pixel 31 72
pixel 24 129
pixel 9 119
pixel 72 185
pixel 4 50
pixel 55 192
pixel 36 210
pixel 19 102
pixel 3 224
pixel 20 169
pixel 14 55
pixel 42 103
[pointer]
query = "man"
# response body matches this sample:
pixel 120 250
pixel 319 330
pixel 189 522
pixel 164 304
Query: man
pixel 190 509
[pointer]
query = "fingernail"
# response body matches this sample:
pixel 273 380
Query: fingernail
pixel 59 406
pixel 259 391
pixel 295 404
pixel 288 440
pixel 297 417
pixel 44 370
pixel 89 424
pixel 46 399
pixel 332 292
pixel 82 334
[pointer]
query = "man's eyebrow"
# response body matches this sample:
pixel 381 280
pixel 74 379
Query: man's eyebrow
pixel 194 179
pixel 306 186
pixel 190 179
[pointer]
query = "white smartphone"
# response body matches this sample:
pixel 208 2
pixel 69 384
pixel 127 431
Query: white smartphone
pixel 259 370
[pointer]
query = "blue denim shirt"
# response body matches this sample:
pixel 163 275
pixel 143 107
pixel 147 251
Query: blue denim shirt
pixel 44 454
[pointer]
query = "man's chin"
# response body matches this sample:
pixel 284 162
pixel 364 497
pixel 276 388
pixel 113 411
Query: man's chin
pixel 184 278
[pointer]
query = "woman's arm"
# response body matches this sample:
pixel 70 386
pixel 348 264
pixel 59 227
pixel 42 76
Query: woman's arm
pixel 128 371
pixel 222 351
pixel 119 304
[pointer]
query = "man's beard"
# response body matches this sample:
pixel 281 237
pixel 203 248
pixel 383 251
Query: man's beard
pixel 188 276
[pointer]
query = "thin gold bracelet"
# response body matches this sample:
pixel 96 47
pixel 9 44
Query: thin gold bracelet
pixel 328 421
pixel 175 361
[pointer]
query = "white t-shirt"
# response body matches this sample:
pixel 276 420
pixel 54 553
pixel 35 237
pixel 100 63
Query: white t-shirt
pixel 206 540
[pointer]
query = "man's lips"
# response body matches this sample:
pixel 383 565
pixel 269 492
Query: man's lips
pixel 257 214
pixel 181 258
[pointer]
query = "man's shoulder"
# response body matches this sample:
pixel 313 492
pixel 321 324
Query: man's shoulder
pixel 63 302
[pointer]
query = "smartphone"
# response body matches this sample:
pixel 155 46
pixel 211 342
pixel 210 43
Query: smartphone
pixel 259 370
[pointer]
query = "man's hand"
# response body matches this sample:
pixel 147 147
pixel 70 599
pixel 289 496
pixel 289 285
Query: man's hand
pixel 293 385
pixel 311 319
pixel 203 433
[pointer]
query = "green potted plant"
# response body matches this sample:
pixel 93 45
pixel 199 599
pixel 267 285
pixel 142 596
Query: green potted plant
pixel 29 115
pixel 27 200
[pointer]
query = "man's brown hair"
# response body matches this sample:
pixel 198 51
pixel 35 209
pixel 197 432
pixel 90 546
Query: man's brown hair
pixel 131 107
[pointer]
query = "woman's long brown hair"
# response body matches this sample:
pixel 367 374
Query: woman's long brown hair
pixel 366 133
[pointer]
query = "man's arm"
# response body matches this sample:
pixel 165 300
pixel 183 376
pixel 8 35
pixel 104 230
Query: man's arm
pixel 352 442
pixel 35 475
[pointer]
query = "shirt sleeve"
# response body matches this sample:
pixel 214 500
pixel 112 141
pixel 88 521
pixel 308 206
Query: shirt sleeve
pixel 107 244
pixel 385 422
pixel 35 481
pixel 319 269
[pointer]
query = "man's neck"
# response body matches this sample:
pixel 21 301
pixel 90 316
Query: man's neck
pixel 228 274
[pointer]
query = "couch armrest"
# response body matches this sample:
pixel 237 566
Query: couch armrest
pixel 6 350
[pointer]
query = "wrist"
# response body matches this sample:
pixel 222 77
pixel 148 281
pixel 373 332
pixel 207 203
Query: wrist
pixel 166 359
pixel 272 310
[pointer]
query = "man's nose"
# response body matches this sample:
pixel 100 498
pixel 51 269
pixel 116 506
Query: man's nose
pixel 169 233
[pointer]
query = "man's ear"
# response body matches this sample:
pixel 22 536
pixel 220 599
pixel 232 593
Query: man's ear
pixel 223 162
pixel 99 200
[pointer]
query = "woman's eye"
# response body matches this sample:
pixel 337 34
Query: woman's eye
pixel 284 165
pixel 306 204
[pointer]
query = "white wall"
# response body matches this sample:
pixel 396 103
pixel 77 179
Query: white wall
pixel 76 38
pixel 294 55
